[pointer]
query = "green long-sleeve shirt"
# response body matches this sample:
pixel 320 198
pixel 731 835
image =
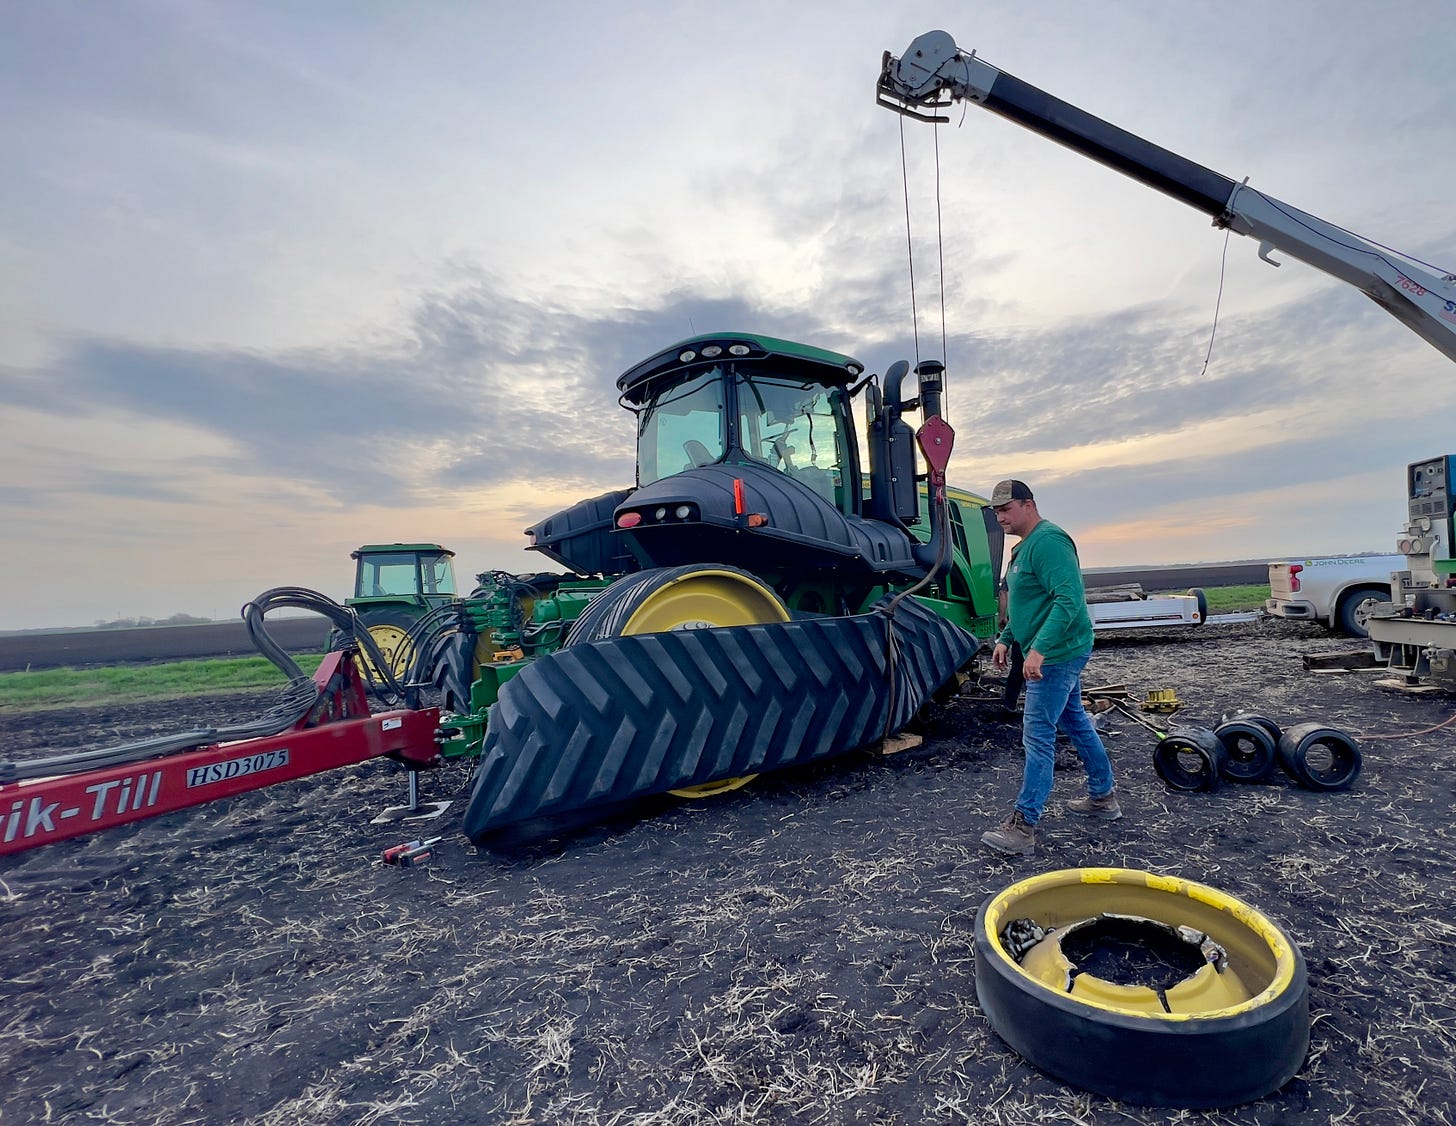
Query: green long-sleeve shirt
pixel 1046 601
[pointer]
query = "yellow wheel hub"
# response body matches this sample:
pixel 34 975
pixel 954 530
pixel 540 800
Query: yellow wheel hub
pixel 393 645
pixel 704 600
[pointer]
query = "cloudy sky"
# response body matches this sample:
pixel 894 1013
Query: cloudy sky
pixel 278 279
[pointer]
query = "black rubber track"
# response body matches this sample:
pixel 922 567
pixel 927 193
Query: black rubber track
pixel 603 723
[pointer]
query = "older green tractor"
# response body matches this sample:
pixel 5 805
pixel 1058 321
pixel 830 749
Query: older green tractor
pixel 395 586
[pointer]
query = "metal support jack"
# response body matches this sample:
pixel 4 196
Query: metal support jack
pixel 415 810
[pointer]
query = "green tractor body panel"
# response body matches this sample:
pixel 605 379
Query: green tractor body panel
pixel 966 593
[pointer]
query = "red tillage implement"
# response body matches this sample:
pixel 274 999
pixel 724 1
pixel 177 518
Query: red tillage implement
pixel 337 730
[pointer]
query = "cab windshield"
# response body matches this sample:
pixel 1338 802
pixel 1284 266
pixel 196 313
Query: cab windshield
pixel 382 574
pixel 794 426
pixel 797 428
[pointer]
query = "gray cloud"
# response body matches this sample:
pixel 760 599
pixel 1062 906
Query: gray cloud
pixel 482 389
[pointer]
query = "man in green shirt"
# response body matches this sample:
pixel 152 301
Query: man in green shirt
pixel 1049 621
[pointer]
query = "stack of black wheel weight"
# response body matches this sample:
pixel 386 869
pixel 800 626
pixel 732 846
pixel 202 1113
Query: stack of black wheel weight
pixel 1245 748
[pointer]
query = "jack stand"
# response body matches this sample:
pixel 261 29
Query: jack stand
pixel 414 811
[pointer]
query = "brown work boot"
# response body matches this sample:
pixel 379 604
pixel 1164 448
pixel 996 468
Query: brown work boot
pixel 1014 836
pixel 1107 807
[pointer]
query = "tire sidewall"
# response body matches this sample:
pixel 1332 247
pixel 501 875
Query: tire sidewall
pixel 1201 1062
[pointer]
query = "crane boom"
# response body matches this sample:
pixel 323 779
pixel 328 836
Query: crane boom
pixel 934 73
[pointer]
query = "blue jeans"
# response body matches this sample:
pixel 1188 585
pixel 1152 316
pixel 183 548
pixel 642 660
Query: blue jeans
pixel 1051 702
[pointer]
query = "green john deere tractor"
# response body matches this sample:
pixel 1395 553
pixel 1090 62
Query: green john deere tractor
pixel 396 585
pixel 757 599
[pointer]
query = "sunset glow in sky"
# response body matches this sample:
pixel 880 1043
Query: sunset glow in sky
pixel 284 279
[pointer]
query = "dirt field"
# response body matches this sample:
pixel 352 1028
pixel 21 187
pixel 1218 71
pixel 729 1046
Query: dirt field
pixel 798 952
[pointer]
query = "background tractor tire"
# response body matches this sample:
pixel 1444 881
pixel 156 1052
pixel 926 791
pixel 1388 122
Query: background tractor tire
pixel 390 630
pixel 1192 760
pixel 1319 757
pixel 1251 747
pixel 1193 1057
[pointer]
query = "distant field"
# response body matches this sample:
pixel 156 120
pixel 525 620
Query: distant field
pixel 117 684
pixel 57 688
pixel 1232 599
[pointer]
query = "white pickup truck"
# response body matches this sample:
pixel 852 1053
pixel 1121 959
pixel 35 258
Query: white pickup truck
pixel 1338 590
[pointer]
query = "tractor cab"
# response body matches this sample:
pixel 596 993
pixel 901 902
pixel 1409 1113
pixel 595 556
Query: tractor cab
pixel 747 456
pixel 395 585
pixel 417 574
pixel 787 413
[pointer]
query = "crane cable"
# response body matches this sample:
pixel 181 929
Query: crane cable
pixel 910 258
pixel 943 551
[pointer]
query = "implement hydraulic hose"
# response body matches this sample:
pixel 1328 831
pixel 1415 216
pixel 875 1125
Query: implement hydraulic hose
pixel 942 557
pixel 294 700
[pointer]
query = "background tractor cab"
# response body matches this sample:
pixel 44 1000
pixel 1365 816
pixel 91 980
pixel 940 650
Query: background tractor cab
pixel 395 585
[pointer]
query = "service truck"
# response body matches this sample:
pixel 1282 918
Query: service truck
pixel 1339 591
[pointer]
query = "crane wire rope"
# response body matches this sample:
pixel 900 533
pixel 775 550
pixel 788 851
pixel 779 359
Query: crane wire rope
pixel 909 244
pixel 938 501
pixel 940 266
pixel 940 263
pixel 1217 302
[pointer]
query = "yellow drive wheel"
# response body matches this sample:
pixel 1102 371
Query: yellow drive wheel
pixel 393 646
pixel 389 629
pixel 696 596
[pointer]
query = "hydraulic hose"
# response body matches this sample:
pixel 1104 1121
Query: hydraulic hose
pixel 294 700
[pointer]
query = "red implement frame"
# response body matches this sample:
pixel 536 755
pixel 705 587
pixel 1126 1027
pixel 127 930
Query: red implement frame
pixel 337 731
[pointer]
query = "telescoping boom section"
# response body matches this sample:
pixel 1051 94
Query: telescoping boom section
pixel 934 73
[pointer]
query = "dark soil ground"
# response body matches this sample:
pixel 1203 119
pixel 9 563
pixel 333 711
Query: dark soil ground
pixel 797 952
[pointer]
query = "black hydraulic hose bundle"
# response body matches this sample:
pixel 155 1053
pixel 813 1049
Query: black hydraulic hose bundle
pixel 294 702
pixel 942 557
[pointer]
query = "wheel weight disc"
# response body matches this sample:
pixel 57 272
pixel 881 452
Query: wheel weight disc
pixel 1319 757
pixel 1082 972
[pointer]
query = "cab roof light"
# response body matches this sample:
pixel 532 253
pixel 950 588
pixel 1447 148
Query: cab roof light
pixel 629 519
